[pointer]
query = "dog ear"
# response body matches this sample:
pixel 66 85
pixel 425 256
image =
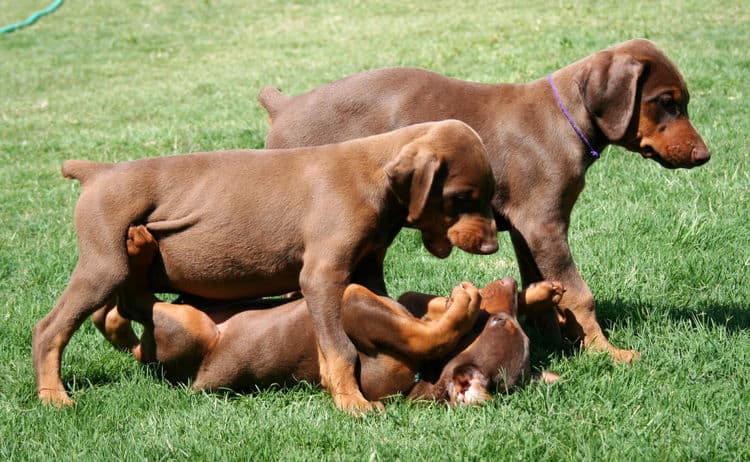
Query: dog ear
pixel 609 87
pixel 411 174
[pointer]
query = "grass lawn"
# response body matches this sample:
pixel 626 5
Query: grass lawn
pixel 666 253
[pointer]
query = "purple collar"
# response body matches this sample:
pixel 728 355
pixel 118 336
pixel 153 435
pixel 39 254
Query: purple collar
pixel 594 152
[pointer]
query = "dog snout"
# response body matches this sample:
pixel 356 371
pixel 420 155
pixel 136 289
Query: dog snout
pixel 474 234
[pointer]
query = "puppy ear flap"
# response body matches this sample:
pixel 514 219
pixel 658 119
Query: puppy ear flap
pixel 411 174
pixel 609 86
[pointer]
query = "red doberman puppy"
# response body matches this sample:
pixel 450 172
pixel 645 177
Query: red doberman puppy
pixel 242 224
pixel 541 138
pixel 461 349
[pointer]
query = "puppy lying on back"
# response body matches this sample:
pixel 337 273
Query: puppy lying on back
pixel 456 349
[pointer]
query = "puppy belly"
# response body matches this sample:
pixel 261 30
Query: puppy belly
pixel 223 271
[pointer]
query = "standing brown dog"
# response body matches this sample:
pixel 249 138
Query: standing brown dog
pixel 238 224
pixel 541 138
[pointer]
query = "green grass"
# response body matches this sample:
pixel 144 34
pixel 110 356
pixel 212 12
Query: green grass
pixel 667 253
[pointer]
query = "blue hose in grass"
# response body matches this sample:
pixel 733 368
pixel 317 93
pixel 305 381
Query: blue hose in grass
pixel 31 19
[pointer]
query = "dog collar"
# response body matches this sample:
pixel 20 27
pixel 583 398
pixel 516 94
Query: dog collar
pixel 594 153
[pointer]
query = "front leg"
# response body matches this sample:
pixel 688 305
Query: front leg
pixel 323 285
pixel 374 323
pixel 543 253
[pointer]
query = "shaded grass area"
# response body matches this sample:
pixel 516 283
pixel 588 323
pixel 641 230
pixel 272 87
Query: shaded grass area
pixel 667 253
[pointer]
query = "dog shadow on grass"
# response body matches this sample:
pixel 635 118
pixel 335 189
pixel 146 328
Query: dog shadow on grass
pixel 733 317
pixel 618 314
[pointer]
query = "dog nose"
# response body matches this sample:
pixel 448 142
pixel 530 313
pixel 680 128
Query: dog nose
pixel 488 247
pixel 509 281
pixel 700 155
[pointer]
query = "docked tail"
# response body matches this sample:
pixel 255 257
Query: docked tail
pixel 83 170
pixel 272 100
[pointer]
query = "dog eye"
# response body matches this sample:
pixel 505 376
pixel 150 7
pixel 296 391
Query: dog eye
pixel 668 103
pixel 461 203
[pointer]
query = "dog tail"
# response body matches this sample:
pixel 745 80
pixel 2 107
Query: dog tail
pixel 83 170
pixel 272 100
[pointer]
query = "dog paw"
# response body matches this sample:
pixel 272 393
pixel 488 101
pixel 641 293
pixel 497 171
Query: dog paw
pixel 546 376
pixel 544 291
pixel 463 305
pixel 620 356
pixel 140 242
pixel 57 398
pixel 357 405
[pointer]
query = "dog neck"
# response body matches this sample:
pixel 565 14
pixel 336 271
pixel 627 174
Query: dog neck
pixel 581 130
pixel 594 153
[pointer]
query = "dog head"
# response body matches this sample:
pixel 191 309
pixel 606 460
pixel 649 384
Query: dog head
pixel 639 99
pixel 498 358
pixel 445 181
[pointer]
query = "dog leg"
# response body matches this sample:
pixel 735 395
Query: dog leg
pixel 545 321
pixel 543 253
pixel 101 268
pixel 424 306
pixel 115 328
pixel 87 290
pixel 373 322
pixel 338 356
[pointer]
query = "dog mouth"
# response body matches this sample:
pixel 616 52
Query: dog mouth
pixel 687 155
pixel 439 246
pixel 650 153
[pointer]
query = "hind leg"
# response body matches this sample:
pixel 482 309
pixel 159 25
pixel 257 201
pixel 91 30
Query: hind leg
pixel 91 286
pixel 177 336
pixel 135 299
pixel 102 267
pixel 115 328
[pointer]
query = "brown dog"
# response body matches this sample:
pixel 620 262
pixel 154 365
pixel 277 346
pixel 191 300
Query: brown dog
pixel 456 352
pixel 630 95
pixel 238 224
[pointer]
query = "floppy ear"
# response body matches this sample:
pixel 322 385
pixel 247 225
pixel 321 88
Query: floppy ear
pixel 411 174
pixel 609 87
